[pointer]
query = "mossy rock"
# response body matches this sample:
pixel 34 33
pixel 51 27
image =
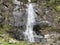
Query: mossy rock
pixel 57 8
pixel 34 0
pixel 50 3
pixel 57 19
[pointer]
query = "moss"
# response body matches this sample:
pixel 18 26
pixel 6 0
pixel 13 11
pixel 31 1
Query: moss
pixel 6 27
pixel 50 3
pixel 18 43
pixel 34 0
pixel 57 19
pixel 3 42
pixel 57 8
pixel 55 30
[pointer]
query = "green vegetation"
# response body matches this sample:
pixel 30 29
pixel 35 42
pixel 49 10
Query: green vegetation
pixel 20 43
pixel 3 42
pixel 50 2
pixel 34 1
pixel 57 19
pixel 57 8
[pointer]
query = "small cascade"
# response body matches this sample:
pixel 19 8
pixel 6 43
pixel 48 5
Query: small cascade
pixel 30 22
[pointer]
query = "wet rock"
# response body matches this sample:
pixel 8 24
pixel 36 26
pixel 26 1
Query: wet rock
pixel 19 15
pixel 20 35
pixel 41 24
pixel 17 34
pixel 36 28
pixel 45 23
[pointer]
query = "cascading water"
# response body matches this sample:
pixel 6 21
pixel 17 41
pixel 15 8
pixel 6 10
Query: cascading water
pixel 29 34
pixel 30 22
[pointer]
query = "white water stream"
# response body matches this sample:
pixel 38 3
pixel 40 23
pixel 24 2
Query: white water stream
pixel 30 22
pixel 29 36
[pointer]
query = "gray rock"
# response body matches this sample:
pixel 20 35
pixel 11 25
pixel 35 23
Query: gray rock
pixel 17 33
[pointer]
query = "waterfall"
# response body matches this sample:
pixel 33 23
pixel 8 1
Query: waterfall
pixel 29 34
pixel 30 22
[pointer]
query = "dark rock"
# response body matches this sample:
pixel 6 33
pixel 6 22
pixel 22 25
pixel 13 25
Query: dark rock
pixel 1 18
pixel 17 34
pixel 51 44
pixel 45 24
pixel 41 24
pixel 36 28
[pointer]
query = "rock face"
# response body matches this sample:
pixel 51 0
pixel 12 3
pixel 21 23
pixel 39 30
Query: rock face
pixel 19 16
pixel 14 14
pixel 47 13
pixel 6 8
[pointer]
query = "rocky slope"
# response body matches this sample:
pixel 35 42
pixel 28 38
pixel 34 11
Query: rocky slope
pixel 13 20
